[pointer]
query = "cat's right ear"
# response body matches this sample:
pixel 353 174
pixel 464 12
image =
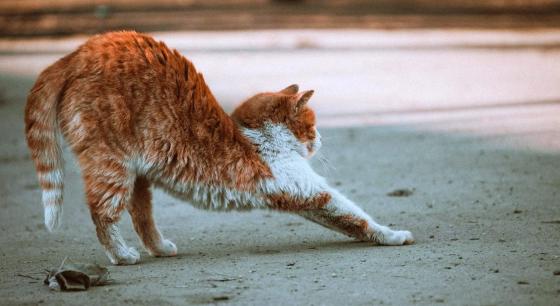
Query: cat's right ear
pixel 290 90
pixel 302 98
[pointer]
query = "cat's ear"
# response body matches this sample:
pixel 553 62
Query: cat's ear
pixel 302 98
pixel 290 90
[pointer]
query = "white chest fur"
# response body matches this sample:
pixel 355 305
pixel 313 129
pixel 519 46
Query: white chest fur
pixel 283 153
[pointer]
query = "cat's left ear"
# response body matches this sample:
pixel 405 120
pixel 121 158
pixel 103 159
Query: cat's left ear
pixel 302 98
pixel 290 90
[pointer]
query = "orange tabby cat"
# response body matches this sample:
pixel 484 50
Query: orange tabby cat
pixel 138 114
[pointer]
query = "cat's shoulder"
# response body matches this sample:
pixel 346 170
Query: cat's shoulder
pixel 120 36
pixel 134 47
pixel 127 41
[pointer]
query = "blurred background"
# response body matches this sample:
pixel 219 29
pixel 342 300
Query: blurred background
pixel 68 17
pixel 369 61
pixel 457 102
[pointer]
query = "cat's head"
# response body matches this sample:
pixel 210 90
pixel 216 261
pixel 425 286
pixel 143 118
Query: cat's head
pixel 286 108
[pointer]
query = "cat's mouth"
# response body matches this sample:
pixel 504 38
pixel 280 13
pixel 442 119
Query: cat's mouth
pixel 310 150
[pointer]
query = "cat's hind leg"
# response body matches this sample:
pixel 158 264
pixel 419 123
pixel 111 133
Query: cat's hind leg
pixel 140 209
pixel 108 190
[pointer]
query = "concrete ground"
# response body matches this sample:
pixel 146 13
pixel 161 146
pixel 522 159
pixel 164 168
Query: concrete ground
pixel 467 120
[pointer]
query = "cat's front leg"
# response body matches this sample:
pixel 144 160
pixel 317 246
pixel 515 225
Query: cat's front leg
pixel 333 210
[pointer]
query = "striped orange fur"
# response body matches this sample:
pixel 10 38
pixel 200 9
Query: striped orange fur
pixel 137 114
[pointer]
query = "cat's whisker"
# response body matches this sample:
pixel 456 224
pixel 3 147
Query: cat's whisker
pixel 324 162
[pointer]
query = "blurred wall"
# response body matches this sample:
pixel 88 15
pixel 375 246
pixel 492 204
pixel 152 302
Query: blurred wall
pixel 23 18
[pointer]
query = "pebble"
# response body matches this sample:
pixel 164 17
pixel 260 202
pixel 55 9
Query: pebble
pixel 221 298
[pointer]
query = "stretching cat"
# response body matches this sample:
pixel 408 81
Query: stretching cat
pixel 138 114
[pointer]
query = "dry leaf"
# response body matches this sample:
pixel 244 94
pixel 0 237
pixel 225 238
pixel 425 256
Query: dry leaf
pixel 76 276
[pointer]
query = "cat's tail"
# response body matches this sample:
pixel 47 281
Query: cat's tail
pixel 42 133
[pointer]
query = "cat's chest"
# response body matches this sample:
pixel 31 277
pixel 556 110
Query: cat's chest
pixel 293 174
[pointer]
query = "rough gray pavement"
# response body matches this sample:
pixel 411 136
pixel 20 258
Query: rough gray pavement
pixel 485 178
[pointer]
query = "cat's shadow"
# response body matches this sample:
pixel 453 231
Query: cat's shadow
pixel 326 246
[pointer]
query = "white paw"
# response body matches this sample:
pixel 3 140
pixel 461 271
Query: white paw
pixel 398 238
pixel 126 256
pixel 165 249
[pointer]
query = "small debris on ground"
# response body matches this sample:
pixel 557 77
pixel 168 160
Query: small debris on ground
pixel 401 192
pixel 221 298
pixel 224 279
pixel 76 276
pixel 556 272
pixel 551 222
pixel 27 276
pixel 294 223
pixel 523 283
pixel 517 211
pixel 2 97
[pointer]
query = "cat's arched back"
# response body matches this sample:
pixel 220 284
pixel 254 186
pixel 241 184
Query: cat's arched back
pixel 137 113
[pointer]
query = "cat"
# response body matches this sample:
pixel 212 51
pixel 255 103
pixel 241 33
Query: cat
pixel 137 114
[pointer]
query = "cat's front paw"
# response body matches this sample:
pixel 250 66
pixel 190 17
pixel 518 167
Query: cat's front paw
pixel 165 248
pixel 397 238
pixel 125 256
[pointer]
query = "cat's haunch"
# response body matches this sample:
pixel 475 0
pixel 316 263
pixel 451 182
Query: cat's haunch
pixel 137 114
